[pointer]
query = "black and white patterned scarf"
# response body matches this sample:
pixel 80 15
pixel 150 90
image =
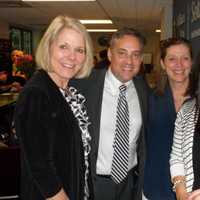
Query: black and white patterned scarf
pixel 76 103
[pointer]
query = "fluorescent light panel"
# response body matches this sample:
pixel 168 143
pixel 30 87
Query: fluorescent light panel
pixel 95 21
pixel 56 0
pixel 101 30
pixel 158 31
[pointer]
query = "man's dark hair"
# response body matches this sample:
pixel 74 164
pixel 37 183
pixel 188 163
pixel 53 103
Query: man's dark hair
pixel 127 31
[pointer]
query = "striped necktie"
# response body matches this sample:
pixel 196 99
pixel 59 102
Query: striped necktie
pixel 120 160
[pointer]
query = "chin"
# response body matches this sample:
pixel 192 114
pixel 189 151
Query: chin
pixel 180 81
pixel 126 79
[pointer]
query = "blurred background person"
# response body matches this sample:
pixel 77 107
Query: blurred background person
pixel 50 117
pixel 15 57
pixel 95 60
pixel 164 103
pixel 104 61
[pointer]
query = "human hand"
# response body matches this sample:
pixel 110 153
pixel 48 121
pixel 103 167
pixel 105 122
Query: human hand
pixel 183 196
pixel 61 195
pixel 15 87
pixel 181 193
pixel 195 195
pixel 180 188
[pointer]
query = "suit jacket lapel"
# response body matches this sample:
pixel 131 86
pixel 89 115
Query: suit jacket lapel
pixel 94 103
pixel 141 96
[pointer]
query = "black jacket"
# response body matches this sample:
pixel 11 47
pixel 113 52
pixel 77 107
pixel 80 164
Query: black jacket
pixel 50 139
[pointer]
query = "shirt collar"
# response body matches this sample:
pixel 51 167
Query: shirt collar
pixel 113 83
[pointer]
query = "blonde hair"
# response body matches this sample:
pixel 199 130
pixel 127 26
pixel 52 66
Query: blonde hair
pixel 51 34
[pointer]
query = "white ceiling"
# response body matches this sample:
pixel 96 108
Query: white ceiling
pixel 144 15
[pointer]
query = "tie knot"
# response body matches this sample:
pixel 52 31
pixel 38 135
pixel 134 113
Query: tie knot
pixel 122 88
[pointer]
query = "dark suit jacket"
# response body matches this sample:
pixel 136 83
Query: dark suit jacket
pixel 50 142
pixel 92 89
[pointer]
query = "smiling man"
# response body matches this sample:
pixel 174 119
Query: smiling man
pixel 117 106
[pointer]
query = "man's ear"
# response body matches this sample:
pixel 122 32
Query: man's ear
pixel 109 54
pixel 162 64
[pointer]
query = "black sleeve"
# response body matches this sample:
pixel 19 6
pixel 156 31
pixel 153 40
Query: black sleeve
pixel 36 139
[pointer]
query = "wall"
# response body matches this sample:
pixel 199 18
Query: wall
pixel 187 21
pixel 166 19
pixel 4 30
pixel 4 34
pixel 36 39
pixel 151 47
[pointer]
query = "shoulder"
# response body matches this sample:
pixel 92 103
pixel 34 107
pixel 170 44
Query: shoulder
pixel 155 96
pixel 39 79
pixel 188 107
pixel 95 75
pixel 41 82
pixel 140 82
pixel 83 84
pixel 31 96
pixel 187 112
pixel 142 88
pixel 39 88
pixel 139 79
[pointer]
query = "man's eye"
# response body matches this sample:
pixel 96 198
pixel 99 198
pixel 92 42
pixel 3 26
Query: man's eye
pixel 136 55
pixel 121 53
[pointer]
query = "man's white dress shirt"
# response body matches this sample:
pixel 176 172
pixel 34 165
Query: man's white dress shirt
pixel 108 123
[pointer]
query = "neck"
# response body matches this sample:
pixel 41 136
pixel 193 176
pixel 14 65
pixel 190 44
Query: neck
pixel 61 83
pixel 179 88
pixel 178 92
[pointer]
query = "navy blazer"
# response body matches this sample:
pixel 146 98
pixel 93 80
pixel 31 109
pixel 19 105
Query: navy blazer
pixel 159 139
pixel 50 141
pixel 92 89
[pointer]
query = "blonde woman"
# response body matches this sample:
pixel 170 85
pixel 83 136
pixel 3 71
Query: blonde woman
pixel 51 120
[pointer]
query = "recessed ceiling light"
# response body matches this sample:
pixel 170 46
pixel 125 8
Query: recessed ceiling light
pixel 158 31
pixel 95 21
pixel 55 0
pixel 101 30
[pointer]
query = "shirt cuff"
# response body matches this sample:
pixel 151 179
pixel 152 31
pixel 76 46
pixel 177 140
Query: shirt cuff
pixel 177 170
